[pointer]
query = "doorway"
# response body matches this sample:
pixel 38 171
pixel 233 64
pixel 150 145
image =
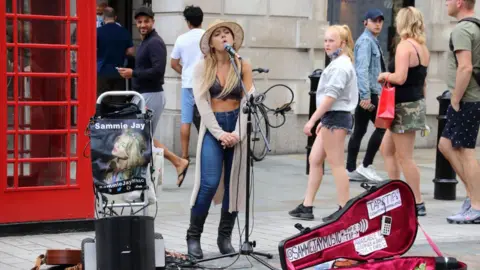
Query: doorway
pixel 351 12
pixel 124 10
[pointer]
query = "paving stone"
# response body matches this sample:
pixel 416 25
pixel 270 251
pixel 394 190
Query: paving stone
pixel 9 267
pixel 279 186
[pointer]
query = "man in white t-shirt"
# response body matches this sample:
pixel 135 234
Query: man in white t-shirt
pixel 185 55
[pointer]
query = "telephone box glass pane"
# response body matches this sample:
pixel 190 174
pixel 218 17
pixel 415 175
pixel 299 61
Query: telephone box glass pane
pixel 39 7
pixel 38 117
pixel 41 60
pixel 42 145
pixel 42 174
pixel 43 33
pixel 40 89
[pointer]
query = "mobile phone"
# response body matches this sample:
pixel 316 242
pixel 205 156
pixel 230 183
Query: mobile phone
pixel 386 225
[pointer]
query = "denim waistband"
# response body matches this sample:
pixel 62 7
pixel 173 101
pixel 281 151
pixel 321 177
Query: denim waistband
pixel 227 120
pixel 227 114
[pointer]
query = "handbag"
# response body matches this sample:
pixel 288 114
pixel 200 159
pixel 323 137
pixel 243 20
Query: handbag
pixel 386 106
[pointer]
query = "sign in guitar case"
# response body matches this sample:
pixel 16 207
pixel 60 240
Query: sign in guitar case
pixel 373 230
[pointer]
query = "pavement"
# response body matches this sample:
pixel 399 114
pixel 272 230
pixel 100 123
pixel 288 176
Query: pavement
pixel 279 186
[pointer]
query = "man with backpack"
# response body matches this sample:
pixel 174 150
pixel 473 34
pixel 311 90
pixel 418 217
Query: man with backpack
pixel 459 137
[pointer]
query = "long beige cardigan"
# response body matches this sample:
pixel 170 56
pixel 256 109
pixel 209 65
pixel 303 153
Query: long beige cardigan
pixel 208 121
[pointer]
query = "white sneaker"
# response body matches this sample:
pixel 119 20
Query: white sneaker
pixel 356 177
pixel 369 173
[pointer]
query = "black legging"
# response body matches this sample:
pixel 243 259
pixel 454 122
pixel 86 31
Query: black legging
pixel 362 117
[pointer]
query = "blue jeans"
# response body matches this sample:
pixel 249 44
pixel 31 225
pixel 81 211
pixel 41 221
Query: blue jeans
pixel 213 158
pixel 188 103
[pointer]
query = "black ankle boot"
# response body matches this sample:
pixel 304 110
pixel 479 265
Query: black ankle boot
pixel 225 228
pixel 193 234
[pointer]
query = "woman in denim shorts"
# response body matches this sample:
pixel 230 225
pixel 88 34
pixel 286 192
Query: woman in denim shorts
pixel 337 97
pixel 409 71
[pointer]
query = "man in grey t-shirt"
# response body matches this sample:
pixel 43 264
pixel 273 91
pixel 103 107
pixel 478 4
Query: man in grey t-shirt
pixel 459 136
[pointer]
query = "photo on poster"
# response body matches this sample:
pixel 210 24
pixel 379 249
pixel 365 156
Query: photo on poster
pixel 120 152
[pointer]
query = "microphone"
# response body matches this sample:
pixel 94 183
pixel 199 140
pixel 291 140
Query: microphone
pixel 229 49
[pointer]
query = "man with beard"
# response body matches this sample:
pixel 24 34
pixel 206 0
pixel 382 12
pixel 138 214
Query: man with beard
pixel 148 79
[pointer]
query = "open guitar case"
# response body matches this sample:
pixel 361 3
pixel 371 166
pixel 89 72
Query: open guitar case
pixel 371 232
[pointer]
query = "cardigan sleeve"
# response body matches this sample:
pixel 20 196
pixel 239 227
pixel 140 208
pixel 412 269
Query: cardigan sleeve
pixel 204 107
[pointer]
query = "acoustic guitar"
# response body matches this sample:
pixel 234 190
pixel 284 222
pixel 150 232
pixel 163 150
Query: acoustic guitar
pixel 62 259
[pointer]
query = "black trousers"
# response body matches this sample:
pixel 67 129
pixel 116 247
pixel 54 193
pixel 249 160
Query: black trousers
pixel 105 84
pixel 361 119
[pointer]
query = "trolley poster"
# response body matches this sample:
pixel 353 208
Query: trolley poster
pixel 120 152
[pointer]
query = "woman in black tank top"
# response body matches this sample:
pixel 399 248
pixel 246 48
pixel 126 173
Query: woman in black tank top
pixel 408 74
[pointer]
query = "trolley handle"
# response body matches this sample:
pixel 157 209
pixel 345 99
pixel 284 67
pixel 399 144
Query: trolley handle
pixel 143 106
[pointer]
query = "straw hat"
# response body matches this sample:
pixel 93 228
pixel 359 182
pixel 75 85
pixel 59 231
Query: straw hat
pixel 236 29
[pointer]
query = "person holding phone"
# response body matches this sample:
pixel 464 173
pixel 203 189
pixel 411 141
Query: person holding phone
pixel 369 63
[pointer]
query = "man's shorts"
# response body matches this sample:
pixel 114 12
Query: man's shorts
pixel 188 103
pixel 462 126
pixel 154 101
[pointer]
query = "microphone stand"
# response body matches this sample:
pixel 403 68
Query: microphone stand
pixel 247 246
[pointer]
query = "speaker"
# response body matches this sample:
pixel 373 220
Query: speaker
pixel 125 243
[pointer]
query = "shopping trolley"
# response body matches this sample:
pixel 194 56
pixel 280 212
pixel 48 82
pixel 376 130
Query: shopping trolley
pixel 122 164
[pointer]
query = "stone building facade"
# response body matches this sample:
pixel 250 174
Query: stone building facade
pixel 287 37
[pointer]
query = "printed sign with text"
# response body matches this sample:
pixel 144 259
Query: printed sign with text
pixel 384 203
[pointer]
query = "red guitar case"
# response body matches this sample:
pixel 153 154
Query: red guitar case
pixel 357 235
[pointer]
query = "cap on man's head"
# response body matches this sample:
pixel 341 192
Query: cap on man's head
pixel 144 11
pixel 373 14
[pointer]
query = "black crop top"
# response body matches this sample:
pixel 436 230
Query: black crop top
pixel 216 90
pixel 412 89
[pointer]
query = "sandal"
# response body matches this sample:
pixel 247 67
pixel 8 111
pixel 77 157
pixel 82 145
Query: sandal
pixel 182 174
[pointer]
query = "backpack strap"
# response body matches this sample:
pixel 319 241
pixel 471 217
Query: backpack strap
pixel 476 73
pixel 450 43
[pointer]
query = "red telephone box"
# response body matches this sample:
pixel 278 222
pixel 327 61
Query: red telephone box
pixel 50 82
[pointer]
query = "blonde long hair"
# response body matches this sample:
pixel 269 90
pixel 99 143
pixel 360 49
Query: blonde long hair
pixel 131 148
pixel 410 24
pixel 210 74
pixel 346 36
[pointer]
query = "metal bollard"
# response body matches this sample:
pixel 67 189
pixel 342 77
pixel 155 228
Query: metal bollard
pixel 445 177
pixel 314 79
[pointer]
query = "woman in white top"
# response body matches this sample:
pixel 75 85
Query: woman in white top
pixel 337 97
